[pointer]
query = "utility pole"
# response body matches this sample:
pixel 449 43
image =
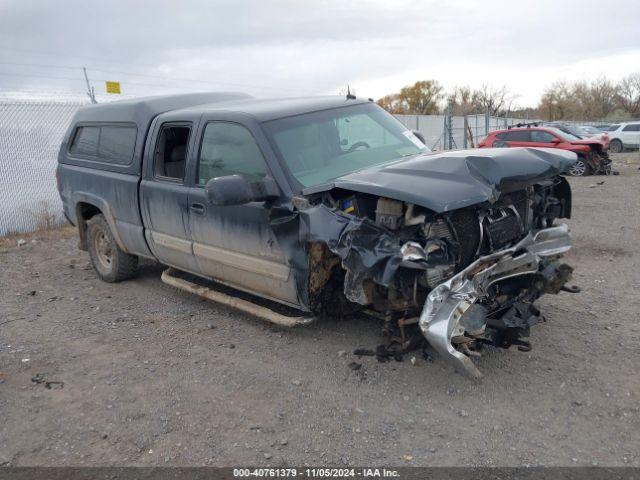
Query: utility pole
pixel 90 91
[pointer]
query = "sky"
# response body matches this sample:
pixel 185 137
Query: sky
pixel 275 48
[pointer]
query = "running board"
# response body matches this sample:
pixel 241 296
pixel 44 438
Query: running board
pixel 246 306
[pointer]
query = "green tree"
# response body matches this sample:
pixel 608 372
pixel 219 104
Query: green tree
pixel 421 98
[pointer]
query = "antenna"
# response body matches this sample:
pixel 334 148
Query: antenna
pixel 90 91
pixel 350 96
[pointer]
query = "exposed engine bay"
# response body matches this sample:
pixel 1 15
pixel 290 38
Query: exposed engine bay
pixel 460 279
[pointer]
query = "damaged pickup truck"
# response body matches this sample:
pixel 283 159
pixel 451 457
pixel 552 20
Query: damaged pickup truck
pixel 321 206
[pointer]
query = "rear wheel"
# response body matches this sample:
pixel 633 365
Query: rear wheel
pixel 580 168
pixel 111 263
pixel 616 146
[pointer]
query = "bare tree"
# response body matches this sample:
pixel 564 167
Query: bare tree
pixel 556 102
pixel 628 94
pixel 461 100
pixel 594 100
pixel 492 99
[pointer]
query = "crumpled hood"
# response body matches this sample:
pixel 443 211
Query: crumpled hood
pixel 450 180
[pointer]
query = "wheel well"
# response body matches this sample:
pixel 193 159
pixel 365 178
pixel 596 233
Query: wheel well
pixel 586 159
pixel 85 211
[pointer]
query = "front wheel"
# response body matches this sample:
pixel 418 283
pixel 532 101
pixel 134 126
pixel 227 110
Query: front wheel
pixel 579 169
pixel 111 263
pixel 616 146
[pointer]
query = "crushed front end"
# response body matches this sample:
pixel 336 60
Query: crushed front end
pixel 460 269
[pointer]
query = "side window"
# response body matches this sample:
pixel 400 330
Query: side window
pixel 539 136
pixel 171 152
pixel 85 141
pixel 105 143
pixel 632 128
pixel 518 136
pixel 229 149
pixel 501 136
pixel 117 144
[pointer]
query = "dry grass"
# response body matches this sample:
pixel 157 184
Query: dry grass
pixel 42 234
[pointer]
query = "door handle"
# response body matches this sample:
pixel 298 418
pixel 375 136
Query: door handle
pixel 197 208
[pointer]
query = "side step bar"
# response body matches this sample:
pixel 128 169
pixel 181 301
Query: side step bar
pixel 246 306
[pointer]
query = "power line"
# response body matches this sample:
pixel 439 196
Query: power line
pixel 79 79
pixel 138 74
pixel 86 57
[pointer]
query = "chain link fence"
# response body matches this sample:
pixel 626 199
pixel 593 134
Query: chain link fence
pixel 30 135
pixel 449 132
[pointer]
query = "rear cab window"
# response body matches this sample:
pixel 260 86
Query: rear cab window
pixel 104 143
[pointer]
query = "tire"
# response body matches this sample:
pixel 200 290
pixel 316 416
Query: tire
pixel 616 146
pixel 580 168
pixel 111 263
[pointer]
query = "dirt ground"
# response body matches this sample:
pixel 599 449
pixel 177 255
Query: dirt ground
pixel 154 376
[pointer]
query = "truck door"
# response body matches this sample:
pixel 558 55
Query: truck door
pixel 234 244
pixel 164 195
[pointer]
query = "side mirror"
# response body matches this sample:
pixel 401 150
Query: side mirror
pixel 239 190
pixel 556 140
pixel 420 136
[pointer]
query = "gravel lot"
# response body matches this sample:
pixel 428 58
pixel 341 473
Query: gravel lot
pixel 154 376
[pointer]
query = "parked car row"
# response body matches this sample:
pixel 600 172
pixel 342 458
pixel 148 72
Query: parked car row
pixel 592 152
pixel 591 143
pixel 620 136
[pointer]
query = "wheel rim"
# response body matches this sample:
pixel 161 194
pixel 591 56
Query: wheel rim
pixel 578 169
pixel 103 250
pixel 615 147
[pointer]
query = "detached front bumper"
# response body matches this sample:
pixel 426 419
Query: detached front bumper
pixel 448 306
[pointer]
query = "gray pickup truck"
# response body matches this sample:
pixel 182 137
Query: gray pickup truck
pixel 294 209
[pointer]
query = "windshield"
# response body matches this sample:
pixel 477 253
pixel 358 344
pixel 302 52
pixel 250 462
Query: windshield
pixel 562 133
pixel 613 128
pixel 320 146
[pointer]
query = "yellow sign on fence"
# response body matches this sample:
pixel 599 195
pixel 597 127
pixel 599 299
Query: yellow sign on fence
pixel 113 87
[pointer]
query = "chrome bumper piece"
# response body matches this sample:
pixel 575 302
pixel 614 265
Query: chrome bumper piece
pixel 447 303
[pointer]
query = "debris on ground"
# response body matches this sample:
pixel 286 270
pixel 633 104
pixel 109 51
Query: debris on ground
pixel 364 352
pixel 41 379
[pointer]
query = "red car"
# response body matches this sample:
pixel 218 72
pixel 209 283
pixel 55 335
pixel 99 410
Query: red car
pixel 592 153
